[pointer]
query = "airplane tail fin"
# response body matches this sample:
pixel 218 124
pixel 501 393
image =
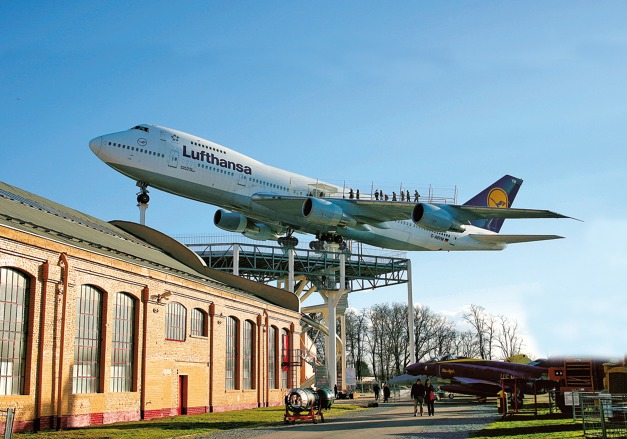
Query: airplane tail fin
pixel 499 194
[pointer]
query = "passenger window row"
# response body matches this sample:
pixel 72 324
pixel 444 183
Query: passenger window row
pixel 208 147
pixel 212 168
pixel 132 148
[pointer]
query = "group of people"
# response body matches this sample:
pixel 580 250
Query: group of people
pixel 386 391
pixel 423 394
pixel 379 195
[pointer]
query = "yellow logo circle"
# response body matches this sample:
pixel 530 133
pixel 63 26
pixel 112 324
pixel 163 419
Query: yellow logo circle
pixel 497 197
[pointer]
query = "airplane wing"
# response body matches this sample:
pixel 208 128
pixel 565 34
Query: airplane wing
pixel 469 213
pixel 376 213
pixel 474 381
pixel 365 211
pixel 512 239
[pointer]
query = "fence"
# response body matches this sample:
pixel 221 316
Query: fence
pixel 6 422
pixel 603 415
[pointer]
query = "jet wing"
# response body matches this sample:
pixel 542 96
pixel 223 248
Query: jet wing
pixel 281 203
pixel 469 213
pixel 365 211
pixel 474 381
pixel 376 213
pixel 512 239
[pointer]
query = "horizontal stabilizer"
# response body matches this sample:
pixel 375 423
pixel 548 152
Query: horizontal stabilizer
pixel 512 239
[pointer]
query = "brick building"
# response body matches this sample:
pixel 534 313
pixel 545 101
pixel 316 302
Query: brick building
pixel 106 322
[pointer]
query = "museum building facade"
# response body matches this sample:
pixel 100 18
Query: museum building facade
pixel 108 322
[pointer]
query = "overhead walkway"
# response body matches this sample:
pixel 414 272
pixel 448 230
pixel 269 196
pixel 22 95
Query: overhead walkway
pixel 263 263
pixel 332 274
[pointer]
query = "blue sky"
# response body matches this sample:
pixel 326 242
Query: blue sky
pixel 384 93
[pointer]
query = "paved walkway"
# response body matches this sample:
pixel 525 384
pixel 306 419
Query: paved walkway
pixel 454 419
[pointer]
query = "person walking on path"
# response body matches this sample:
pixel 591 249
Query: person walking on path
pixel 375 389
pixel 430 397
pixel 386 392
pixel 418 395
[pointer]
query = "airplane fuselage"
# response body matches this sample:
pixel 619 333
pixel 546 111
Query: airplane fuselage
pixel 198 169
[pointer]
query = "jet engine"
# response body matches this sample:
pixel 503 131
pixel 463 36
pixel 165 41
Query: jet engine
pixel 325 213
pixel 235 222
pixel 435 218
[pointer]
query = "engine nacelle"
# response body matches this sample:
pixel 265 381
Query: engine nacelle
pixel 325 213
pixel 435 218
pixel 230 221
pixel 235 222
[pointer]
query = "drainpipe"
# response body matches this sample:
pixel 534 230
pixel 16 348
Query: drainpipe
pixel 63 290
pixel 259 349
pixel 212 313
pixel 40 348
pixel 266 341
pixel 142 397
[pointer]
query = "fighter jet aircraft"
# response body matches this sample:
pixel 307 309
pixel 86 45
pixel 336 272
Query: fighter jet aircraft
pixel 484 378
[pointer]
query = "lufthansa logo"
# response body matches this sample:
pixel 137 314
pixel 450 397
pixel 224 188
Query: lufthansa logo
pixel 141 141
pixel 497 198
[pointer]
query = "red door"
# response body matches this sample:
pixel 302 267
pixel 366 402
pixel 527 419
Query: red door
pixel 182 410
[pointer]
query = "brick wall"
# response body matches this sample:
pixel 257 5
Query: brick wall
pixel 160 364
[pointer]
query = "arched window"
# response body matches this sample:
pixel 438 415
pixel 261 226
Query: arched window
pixel 175 321
pixel 199 322
pixel 272 356
pixel 285 357
pixel 247 357
pixel 14 298
pixel 123 346
pixel 232 348
pixel 86 373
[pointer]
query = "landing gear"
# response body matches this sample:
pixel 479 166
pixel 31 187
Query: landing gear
pixel 325 239
pixel 288 241
pixel 142 201
pixel 142 195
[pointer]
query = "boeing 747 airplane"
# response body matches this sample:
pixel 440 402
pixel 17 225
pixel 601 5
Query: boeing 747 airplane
pixel 265 203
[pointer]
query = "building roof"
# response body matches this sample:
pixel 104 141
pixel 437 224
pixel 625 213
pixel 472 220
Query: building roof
pixel 130 242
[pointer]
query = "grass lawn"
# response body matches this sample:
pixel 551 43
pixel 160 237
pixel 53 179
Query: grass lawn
pixel 185 426
pixel 525 425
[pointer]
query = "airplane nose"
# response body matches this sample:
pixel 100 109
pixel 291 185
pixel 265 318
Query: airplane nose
pixel 95 144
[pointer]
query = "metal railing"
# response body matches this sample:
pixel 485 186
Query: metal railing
pixel 603 415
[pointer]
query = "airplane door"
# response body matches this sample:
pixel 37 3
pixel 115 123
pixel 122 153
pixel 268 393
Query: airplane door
pixel 242 180
pixel 174 159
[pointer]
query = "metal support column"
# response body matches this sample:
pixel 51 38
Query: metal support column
pixel 290 270
pixel 236 259
pixel 410 316
pixel 142 213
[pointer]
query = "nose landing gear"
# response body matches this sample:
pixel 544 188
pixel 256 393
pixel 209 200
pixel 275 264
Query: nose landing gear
pixel 142 201
pixel 142 195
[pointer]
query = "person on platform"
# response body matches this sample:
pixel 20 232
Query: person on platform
pixel 417 393
pixel 376 389
pixel 386 392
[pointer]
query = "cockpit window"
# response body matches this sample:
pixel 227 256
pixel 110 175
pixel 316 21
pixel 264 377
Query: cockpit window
pixel 139 127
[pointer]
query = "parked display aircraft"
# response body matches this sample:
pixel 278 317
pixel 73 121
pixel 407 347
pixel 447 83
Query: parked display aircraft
pixel 263 202
pixel 483 378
